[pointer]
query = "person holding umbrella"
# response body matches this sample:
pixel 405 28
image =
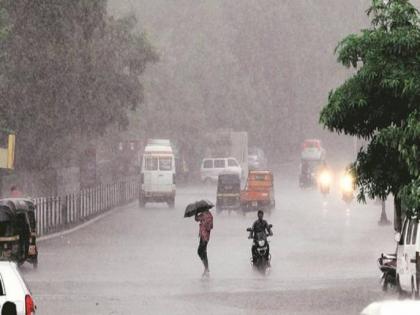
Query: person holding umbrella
pixel 202 214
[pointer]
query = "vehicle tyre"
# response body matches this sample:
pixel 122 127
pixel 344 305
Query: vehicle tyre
pixel 171 203
pixel 385 283
pixel 142 202
pixel 414 291
pixel 399 289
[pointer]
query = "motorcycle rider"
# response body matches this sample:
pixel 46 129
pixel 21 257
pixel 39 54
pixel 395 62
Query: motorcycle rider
pixel 259 226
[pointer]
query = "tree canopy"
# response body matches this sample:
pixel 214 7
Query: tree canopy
pixel 68 72
pixel 379 102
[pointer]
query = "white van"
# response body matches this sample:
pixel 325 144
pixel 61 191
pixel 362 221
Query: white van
pixel 158 175
pixel 211 168
pixel 408 259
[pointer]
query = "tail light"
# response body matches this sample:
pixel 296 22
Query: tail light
pixel 29 305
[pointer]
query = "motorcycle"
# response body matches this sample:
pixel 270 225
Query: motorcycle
pixel 260 260
pixel 388 265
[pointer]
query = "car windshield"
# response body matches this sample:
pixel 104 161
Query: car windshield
pixel 229 180
pixel 165 163
pixel 151 163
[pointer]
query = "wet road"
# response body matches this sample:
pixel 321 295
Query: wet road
pixel 143 261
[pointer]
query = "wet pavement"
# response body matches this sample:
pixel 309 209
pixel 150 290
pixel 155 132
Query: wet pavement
pixel 144 261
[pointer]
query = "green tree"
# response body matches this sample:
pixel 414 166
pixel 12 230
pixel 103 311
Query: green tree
pixel 69 72
pixel 406 140
pixel 383 93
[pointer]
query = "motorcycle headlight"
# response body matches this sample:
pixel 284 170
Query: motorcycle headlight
pixel 261 243
pixel 347 183
pixel 325 178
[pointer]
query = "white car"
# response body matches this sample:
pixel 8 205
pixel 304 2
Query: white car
pixel 13 289
pixel 211 168
pixel 393 307
pixel 408 257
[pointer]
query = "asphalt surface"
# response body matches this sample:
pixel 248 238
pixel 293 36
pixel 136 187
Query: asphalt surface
pixel 144 261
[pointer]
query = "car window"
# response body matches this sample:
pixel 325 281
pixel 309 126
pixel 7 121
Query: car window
pixel 219 164
pixel 151 163
pixel 208 164
pixel 414 236
pixel 408 237
pixel 403 233
pixel 165 163
pixel 232 163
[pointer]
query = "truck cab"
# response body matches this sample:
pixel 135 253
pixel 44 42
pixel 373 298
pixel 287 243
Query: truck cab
pixel 158 175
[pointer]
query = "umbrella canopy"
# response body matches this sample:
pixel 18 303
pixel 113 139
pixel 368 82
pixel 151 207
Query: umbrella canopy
pixel 197 207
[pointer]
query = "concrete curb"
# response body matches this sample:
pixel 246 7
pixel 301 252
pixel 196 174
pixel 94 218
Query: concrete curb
pixel 80 226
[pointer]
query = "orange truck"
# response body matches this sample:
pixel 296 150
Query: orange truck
pixel 258 193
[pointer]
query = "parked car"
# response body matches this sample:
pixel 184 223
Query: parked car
pixel 13 289
pixel 408 257
pixel 256 159
pixel 259 192
pixel 211 168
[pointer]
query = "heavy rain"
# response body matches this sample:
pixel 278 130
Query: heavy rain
pixel 209 157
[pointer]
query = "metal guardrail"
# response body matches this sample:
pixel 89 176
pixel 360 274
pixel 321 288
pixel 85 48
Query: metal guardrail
pixel 56 214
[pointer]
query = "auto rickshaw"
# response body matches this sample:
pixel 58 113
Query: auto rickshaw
pixel 259 192
pixel 24 211
pixel 228 192
pixel 10 236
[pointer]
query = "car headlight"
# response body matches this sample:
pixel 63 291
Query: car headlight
pixel 261 243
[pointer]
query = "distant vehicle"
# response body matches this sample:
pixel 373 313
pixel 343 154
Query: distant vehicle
pixel 408 257
pixel 228 143
pixel 256 159
pixel 158 175
pixel 312 150
pixel 211 168
pixel 258 193
pixel 308 173
pixel 228 192
pixel 13 289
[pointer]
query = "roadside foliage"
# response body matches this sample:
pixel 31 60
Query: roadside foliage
pixel 380 103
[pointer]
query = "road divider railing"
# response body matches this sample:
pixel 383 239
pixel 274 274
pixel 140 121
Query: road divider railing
pixel 59 213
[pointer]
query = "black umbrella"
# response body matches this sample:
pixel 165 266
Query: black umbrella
pixel 197 207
